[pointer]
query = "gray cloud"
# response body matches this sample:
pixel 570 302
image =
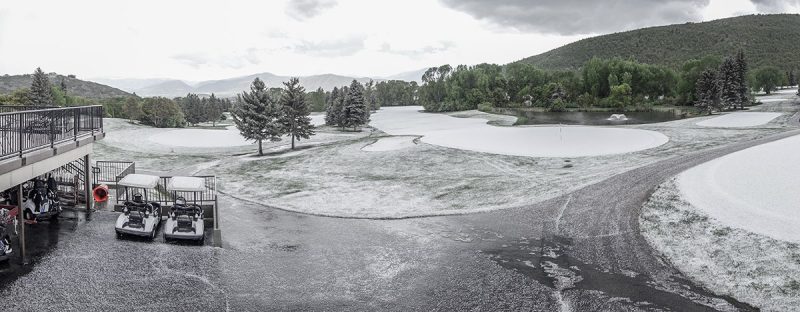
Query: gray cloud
pixel 234 60
pixel 192 59
pixel 428 49
pixel 774 6
pixel 305 9
pixel 341 47
pixel 571 17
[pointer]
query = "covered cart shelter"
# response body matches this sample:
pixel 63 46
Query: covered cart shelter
pixel 164 190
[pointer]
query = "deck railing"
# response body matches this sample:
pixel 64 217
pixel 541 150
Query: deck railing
pixel 24 131
pixel 108 172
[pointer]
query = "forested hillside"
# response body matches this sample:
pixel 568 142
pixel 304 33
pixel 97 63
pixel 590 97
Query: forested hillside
pixel 75 87
pixel 767 40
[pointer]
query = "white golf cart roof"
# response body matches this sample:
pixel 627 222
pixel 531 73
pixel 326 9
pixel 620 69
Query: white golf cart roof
pixel 139 180
pixel 186 184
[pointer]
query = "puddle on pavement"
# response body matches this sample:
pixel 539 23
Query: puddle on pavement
pixel 549 263
pixel 41 239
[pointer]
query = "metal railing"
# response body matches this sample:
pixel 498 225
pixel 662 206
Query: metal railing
pixel 18 108
pixel 30 130
pixel 112 171
pixel 207 199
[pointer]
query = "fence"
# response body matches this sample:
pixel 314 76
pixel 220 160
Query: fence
pixel 111 171
pixel 17 108
pixel 206 198
pixel 30 130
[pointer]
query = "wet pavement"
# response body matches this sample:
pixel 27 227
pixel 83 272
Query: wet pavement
pixel 578 252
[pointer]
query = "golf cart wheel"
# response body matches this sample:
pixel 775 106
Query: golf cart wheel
pixel 119 235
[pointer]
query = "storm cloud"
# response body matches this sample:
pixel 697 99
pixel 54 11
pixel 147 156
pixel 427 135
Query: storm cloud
pixel 305 9
pixel 775 6
pixel 572 17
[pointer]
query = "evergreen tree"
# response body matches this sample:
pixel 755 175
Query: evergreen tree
pixel 295 118
pixel 213 110
pixel 341 106
pixel 708 92
pixel 792 78
pixel 728 81
pixel 41 93
pixel 744 90
pixel 191 105
pixel 330 108
pixel 257 115
pixel 355 110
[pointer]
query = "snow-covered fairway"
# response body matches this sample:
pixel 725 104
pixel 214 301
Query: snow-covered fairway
pixel 476 135
pixel 735 120
pixel 200 138
pixel 754 189
pixel 209 138
pixel 390 144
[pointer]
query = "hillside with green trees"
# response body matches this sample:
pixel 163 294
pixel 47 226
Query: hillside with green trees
pixel 74 86
pixel 767 40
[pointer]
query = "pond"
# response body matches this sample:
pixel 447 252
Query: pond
pixel 594 118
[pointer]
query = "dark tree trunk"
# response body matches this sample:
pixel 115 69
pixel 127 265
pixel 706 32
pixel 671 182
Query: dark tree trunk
pixel 292 141
pixel 260 150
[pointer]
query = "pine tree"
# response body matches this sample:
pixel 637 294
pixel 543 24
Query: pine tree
pixel 341 107
pixel 213 110
pixel 355 111
pixel 728 81
pixel 257 115
pixel 708 92
pixel 330 109
pixel 41 93
pixel 744 93
pixel 295 119
pixel 191 105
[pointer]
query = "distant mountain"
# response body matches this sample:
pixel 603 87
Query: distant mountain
pixel 75 87
pixel 168 88
pixel 232 86
pixel 414 75
pixel 129 84
pixel 766 40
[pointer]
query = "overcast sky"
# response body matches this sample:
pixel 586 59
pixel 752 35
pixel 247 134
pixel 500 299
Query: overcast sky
pixel 211 39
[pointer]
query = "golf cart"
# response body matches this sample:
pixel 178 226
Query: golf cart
pixel 139 217
pixel 185 220
pixel 8 215
pixel 41 202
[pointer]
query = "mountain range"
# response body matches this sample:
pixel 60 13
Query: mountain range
pixel 232 86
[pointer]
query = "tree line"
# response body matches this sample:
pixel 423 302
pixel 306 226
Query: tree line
pixel 615 83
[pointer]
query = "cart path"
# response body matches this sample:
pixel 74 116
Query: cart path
pixel 581 251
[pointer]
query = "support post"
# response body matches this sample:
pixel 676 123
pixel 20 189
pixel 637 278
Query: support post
pixel 21 235
pixel 87 187
pixel 217 239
